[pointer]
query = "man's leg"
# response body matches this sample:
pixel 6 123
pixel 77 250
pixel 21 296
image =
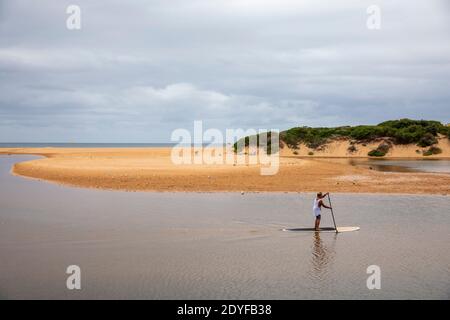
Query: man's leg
pixel 317 224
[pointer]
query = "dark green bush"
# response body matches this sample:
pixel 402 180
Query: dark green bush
pixel 238 146
pixel 376 153
pixel 445 130
pixel 409 134
pixel 366 132
pixel 291 138
pixel 380 151
pixel 403 131
pixel 432 150
pixel 406 131
pixel 427 140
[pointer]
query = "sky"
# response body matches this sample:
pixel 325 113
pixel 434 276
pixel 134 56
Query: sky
pixel 138 70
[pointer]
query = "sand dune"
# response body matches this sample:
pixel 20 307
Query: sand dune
pixel 339 148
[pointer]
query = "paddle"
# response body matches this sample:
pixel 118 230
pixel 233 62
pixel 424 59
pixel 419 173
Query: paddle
pixel 332 214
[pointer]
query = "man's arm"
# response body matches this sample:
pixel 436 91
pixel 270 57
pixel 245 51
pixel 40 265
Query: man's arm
pixel 324 205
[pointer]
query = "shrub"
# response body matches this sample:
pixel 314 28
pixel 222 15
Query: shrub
pixel 427 140
pixel 409 134
pixel 384 147
pixel 432 150
pixel 380 151
pixel 245 142
pixel 310 153
pixel 411 131
pixel 315 142
pixel 352 148
pixel 295 152
pixel 291 138
pixel 366 132
pixel 404 131
pixel 376 153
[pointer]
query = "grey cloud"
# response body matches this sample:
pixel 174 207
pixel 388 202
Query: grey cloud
pixel 139 69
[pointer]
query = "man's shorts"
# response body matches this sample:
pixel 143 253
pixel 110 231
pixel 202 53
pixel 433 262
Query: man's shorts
pixel 318 216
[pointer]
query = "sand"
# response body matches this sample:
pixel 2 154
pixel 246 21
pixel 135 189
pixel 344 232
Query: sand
pixel 339 149
pixel 151 169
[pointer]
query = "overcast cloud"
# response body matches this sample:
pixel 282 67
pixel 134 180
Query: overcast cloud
pixel 139 69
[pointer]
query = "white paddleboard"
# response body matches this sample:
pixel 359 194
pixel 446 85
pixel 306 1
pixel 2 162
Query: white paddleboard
pixel 326 229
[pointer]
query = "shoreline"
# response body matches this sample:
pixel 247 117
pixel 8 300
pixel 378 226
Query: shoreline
pixel 226 192
pixel 151 170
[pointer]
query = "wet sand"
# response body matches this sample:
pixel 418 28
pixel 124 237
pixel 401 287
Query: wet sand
pixel 151 169
pixel 215 246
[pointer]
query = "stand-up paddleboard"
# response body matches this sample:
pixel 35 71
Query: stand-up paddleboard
pixel 325 229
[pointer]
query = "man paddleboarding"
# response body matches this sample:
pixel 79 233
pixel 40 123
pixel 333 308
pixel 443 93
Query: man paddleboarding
pixel 317 208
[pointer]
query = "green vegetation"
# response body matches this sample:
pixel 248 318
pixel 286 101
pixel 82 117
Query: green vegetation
pixel 312 137
pixel 404 131
pixel 432 150
pixel 380 151
pixel 376 153
pixel 427 140
pixel 238 147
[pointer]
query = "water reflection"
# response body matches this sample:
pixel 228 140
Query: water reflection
pixel 322 258
pixel 383 166
pixel 390 165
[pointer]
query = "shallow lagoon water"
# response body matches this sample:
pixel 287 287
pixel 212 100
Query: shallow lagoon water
pixel 397 165
pixel 216 245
